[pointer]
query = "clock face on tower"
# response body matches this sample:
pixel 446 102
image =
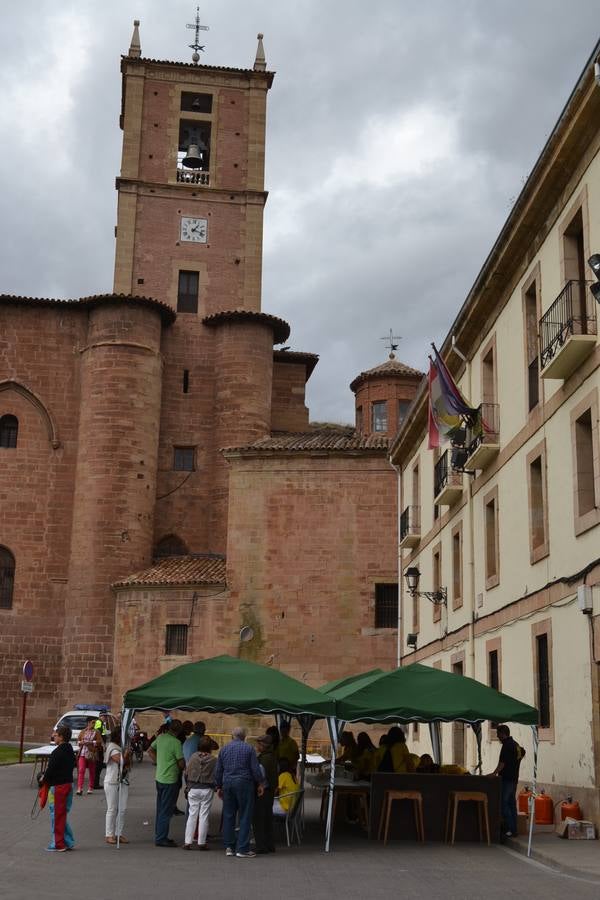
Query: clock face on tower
pixel 194 230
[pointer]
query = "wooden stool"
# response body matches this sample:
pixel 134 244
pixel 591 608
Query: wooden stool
pixel 362 794
pixel 386 808
pixel 456 797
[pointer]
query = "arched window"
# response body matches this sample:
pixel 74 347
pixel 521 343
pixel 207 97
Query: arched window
pixel 170 545
pixel 7 578
pixel 9 429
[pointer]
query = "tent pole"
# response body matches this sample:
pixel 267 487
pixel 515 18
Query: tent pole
pixel 333 725
pixel 436 743
pixel 534 734
pixel 126 717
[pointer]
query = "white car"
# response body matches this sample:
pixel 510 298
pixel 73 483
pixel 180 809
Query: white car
pixel 76 719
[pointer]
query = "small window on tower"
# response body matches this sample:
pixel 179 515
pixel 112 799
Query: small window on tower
pixel 200 103
pixel 176 640
pixel 184 459
pixel 187 292
pixel 9 429
pixel 386 606
pixel 403 407
pixel 379 416
pixel 7 578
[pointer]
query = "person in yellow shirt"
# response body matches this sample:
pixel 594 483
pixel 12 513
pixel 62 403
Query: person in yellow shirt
pixel 350 751
pixel 397 757
pixel 286 785
pixel 366 760
pixel 287 747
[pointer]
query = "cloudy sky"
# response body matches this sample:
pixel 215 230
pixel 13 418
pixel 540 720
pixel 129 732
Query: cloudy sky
pixel 399 134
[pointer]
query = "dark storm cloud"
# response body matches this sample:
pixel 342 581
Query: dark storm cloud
pixel 399 133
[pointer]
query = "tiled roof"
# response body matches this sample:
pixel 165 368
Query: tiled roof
pixel 145 60
pixel 281 329
pixel 167 313
pixel 294 356
pixel 200 569
pixel 390 367
pixel 334 439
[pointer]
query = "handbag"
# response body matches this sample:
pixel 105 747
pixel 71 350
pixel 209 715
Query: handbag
pixel 43 795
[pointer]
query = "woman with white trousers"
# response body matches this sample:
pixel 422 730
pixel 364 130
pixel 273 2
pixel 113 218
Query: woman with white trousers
pixel 112 760
pixel 200 789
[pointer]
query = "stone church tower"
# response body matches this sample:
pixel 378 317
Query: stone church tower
pixel 191 235
pixel 164 497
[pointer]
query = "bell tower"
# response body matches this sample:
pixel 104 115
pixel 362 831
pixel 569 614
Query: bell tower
pixel 189 232
pixel 191 189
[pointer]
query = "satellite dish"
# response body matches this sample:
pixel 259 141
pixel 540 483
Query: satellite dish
pixel 246 634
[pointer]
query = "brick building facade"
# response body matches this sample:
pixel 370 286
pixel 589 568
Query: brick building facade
pixel 163 496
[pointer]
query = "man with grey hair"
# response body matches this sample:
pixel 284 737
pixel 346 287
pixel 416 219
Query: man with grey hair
pixel 238 780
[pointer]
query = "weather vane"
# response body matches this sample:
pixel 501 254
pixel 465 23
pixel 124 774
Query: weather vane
pixel 197 46
pixel 392 342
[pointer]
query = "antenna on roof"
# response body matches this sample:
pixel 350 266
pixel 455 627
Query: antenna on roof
pixel 392 342
pixel 197 46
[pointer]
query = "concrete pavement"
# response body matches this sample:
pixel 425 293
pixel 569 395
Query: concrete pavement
pixel 578 858
pixel 356 869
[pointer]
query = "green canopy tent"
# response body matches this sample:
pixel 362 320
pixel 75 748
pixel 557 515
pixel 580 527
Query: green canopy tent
pixel 230 685
pixel 418 693
pixel 227 684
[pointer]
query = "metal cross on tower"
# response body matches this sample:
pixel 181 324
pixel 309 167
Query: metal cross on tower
pixel 392 342
pixel 197 46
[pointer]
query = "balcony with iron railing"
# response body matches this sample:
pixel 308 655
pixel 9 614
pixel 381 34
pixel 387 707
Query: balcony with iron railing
pixel 192 176
pixel 410 527
pixel 482 441
pixel 568 330
pixel 447 483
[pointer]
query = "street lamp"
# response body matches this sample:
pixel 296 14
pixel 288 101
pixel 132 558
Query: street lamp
pixel 412 576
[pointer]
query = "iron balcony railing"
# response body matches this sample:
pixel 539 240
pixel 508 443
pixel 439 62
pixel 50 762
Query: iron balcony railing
pixel 441 473
pixel 573 312
pixel 192 176
pixel 486 430
pixel 410 521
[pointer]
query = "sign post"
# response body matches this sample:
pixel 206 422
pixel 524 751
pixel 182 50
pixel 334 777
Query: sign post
pixel 26 689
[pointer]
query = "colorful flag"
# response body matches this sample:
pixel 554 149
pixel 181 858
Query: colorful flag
pixel 448 409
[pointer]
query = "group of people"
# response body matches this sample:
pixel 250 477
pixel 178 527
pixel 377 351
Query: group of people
pixel 254 785
pixel 57 781
pixel 392 755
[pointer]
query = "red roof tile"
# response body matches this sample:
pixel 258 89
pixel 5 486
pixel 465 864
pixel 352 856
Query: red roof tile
pixel 389 367
pixel 146 60
pixel 168 313
pixel 200 569
pixel 335 439
pixel 281 329
pixel 294 356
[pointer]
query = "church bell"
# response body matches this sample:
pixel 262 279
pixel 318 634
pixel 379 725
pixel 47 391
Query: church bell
pixel 193 157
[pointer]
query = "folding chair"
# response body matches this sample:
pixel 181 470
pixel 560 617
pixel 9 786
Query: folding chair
pixel 293 817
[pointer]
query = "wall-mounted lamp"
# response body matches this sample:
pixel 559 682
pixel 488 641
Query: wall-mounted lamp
pixel 594 264
pixel 412 576
pixel 411 640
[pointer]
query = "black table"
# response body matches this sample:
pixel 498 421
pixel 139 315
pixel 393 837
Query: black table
pixel 435 790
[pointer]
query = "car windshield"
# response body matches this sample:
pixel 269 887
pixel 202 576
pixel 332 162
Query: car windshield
pixel 76 723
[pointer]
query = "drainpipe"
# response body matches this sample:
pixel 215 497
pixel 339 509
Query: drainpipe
pixel 399 634
pixel 471 526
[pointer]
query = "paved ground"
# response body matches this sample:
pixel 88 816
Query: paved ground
pixel 580 858
pixel 356 868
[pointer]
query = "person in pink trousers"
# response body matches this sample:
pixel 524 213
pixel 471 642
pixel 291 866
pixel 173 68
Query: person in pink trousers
pixel 90 745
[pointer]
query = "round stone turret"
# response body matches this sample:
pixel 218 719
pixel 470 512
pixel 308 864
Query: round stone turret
pixel 383 396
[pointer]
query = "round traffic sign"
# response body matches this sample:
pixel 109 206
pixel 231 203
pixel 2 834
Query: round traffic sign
pixel 28 670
